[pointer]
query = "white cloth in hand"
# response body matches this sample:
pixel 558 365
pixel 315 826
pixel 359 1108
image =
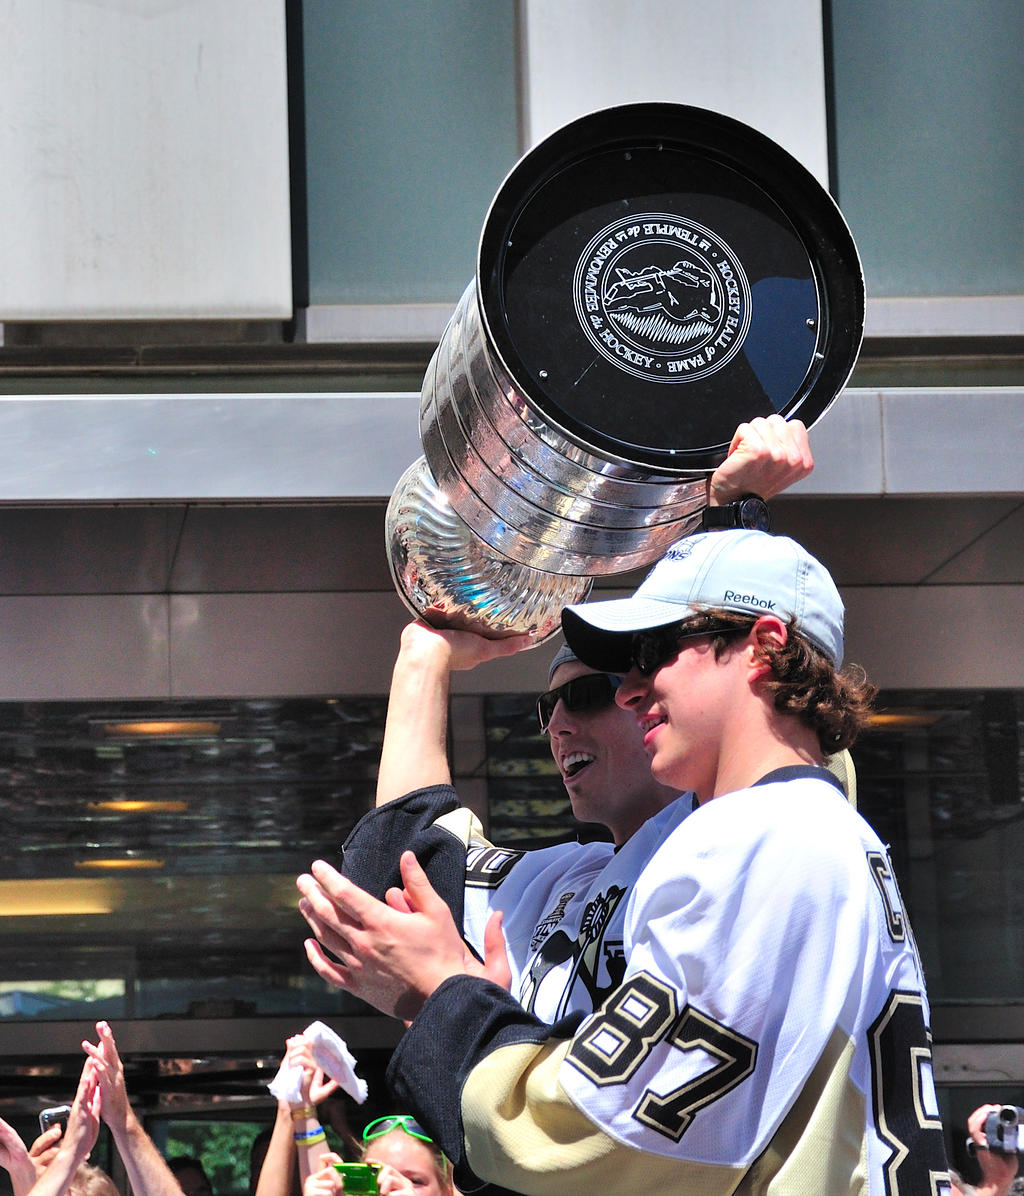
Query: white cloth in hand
pixel 332 1055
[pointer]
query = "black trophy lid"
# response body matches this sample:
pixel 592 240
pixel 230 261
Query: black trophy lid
pixel 654 274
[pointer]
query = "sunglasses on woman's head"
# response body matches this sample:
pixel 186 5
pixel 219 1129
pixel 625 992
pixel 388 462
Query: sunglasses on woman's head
pixel 592 691
pixel 396 1121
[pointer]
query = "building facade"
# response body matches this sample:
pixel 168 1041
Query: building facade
pixel 235 231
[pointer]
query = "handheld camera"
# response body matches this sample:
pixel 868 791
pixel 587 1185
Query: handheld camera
pixel 1002 1130
pixel 360 1179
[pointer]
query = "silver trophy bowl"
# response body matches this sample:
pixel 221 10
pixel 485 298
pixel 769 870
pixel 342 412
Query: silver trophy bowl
pixel 451 578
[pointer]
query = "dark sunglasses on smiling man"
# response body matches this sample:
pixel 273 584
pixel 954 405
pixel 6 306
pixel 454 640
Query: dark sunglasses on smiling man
pixel 592 691
pixel 649 650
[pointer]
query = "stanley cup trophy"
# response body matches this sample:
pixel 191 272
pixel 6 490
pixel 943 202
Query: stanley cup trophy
pixel 648 277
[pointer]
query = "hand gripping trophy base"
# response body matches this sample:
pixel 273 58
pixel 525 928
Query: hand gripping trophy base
pixel 447 576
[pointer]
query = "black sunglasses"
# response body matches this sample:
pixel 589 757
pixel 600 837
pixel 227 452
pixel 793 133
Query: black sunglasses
pixel 650 650
pixel 592 691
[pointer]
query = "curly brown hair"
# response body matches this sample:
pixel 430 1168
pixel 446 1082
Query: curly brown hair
pixel 836 704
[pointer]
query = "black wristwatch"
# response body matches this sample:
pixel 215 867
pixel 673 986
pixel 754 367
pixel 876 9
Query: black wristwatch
pixel 749 512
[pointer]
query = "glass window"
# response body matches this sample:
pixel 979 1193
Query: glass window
pixel 929 118
pixel 941 780
pixel 410 126
pixel 150 846
pixel 222 1148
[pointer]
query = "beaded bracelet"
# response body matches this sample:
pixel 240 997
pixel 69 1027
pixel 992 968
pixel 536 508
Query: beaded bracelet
pixel 303 1112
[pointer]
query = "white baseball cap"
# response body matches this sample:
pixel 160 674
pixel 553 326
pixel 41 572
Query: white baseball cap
pixel 747 571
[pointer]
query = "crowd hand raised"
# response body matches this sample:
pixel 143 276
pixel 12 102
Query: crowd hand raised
pixel 324 1181
pixel 14 1158
pixel 44 1148
pixel 766 456
pixel 145 1166
pixel 79 1137
pixel 84 1119
pixel 110 1076
pixel 315 1088
pixel 391 954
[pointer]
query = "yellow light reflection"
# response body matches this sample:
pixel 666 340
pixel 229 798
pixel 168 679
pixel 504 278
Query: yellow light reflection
pixel 895 719
pixel 55 898
pixel 138 864
pixel 168 727
pixel 140 807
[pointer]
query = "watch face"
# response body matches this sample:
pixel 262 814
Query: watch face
pixel 753 515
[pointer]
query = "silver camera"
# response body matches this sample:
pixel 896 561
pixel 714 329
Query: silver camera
pixel 1002 1130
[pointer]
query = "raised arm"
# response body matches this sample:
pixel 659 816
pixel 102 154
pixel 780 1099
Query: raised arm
pixel 278 1170
pixel 308 1133
pixel 147 1171
pixel 766 456
pixel 415 750
pixel 14 1158
pixel 79 1138
pixel 44 1147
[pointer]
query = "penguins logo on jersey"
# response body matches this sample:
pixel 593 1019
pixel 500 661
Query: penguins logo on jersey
pixel 596 963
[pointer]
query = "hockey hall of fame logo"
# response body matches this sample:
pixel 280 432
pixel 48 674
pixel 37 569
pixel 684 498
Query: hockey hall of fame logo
pixel 662 297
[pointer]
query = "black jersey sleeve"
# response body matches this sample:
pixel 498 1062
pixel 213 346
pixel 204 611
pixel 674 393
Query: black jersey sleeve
pixel 370 855
pixel 471 1032
pixel 463 1020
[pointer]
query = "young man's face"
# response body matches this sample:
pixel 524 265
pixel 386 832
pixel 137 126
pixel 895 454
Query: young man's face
pixel 685 710
pixel 603 764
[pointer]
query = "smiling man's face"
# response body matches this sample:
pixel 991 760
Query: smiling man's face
pixel 604 767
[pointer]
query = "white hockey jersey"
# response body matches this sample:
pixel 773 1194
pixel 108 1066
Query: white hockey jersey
pixel 563 912
pixel 769 1033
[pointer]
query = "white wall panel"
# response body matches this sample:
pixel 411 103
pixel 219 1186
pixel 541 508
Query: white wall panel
pixel 111 448
pixel 848 447
pixel 760 63
pixel 961 439
pixel 904 441
pixel 190 447
pixel 145 160
pixel 83 647
pixel 937 637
